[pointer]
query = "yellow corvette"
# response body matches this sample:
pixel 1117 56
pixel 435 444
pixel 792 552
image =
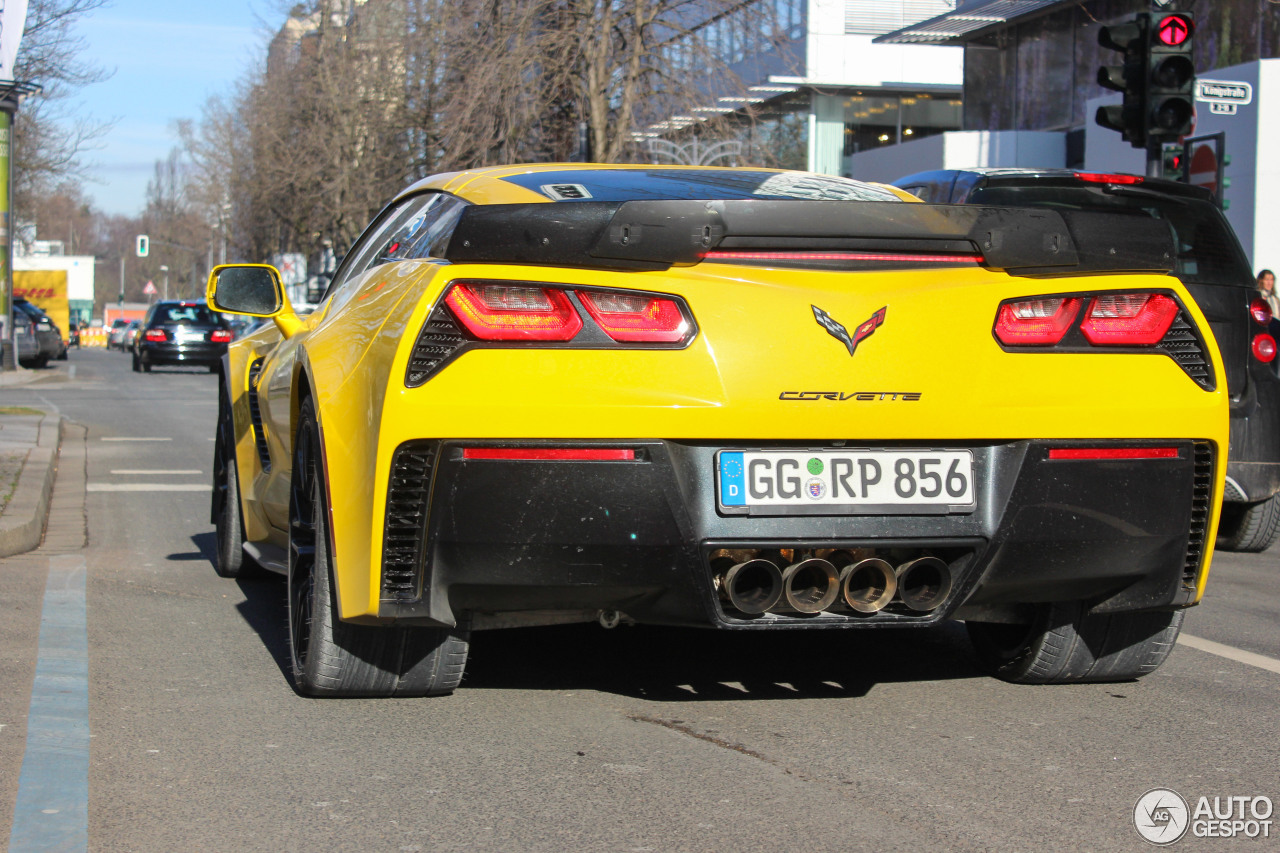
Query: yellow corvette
pixel 744 399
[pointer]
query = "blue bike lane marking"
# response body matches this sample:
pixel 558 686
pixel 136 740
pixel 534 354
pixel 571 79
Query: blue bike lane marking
pixel 52 808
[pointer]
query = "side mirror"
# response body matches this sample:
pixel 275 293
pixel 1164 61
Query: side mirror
pixel 253 289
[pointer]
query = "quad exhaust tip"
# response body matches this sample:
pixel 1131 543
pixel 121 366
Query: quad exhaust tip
pixel 753 582
pixel 753 586
pixel 810 586
pixel 924 583
pixel 868 586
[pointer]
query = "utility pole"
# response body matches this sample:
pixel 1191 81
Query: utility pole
pixel 164 269
pixel 11 93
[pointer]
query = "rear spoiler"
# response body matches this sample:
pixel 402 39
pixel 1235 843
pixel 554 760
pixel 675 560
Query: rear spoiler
pixel 647 235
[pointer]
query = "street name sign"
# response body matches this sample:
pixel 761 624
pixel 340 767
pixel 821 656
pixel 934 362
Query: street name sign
pixel 1224 96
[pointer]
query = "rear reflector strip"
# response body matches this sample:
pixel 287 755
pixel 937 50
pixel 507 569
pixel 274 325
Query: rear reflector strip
pixel 558 454
pixel 726 255
pixel 1113 453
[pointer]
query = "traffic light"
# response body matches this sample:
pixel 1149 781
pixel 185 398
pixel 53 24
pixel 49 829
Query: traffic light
pixel 1173 158
pixel 1130 38
pixel 1171 75
pixel 144 245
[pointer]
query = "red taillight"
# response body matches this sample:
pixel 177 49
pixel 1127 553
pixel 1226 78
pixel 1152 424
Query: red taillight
pixel 156 335
pixel 1107 178
pixel 557 454
pixel 1036 322
pixel 1128 319
pixel 896 257
pixel 1264 348
pixel 1113 453
pixel 636 317
pixel 505 312
pixel 220 336
pixel 1261 311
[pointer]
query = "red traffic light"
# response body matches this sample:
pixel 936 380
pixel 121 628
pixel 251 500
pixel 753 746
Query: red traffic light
pixel 1174 30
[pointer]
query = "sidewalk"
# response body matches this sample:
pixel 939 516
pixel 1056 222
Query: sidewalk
pixel 30 437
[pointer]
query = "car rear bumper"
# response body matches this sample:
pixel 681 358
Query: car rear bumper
pixel 187 353
pixel 485 537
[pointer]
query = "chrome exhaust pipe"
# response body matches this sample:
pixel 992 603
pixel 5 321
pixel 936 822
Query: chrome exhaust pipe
pixel 754 586
pixel 868 585
pixel 924 583
pixel 810 586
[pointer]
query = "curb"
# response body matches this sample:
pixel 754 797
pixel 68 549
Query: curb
pixel 23 522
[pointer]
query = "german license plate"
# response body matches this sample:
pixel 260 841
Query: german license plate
pixel 844 482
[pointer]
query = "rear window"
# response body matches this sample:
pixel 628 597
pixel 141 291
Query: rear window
pixel 695 184
pixel 191 315
pixel 1208 252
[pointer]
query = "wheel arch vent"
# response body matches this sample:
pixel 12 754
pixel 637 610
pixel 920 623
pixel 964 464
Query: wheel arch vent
pixel 255 415
pixel 404 535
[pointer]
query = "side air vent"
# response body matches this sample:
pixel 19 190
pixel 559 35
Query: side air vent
pixel 1201 504
pixel 440 339
pixel 408 493
pixel 255 415
pixel 1183 345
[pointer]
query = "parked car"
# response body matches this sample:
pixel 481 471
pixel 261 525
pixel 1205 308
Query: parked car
pixel 48 335
pixel 181 333
pixel 1216 272
pixel 115 338
pixel 26 340
pixel 130 334
pixel 743 399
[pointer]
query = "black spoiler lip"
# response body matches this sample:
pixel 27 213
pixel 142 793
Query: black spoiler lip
pixel 656 235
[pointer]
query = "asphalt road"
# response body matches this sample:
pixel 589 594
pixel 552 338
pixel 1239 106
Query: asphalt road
pixel 567 739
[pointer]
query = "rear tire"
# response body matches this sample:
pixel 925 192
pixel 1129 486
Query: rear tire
pixel 1249 528
pixel 1065 643
pixel 137 364
pixel 335 658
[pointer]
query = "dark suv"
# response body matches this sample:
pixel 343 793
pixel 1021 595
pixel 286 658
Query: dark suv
pixel 183 333
pixel 1216 272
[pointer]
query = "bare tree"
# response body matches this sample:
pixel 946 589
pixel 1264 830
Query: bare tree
pixel 48 138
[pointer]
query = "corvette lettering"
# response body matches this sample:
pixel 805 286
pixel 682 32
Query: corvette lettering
pixel 859 396
pixel 840 333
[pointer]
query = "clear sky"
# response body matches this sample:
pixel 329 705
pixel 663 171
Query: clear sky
pixel 169 56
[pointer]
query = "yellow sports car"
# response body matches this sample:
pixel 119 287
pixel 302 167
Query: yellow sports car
pixel 745 399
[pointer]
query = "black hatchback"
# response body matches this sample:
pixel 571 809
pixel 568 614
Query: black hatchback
pixel 1215 270
pixel 181 333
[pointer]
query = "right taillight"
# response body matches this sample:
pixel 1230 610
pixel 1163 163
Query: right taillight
pixel 1264 348
pixel 514 312
pixel 1260 311
pixel 1036 322
pixel 636 317
pixel 1128 319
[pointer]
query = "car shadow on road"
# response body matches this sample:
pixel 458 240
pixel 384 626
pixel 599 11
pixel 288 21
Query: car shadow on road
pixel 690 665
pixel 665 664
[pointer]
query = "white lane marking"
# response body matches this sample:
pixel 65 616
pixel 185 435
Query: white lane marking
pixel 131 438
pixel 1231 653
pixel 156 471
pixel 148 487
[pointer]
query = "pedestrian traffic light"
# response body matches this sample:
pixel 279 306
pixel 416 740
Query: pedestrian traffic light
pixel 1130 38
pixel 1171 75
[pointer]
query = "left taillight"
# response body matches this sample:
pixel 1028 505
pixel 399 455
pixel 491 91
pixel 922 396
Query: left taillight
pixel 636 317
pixel 155 336
pixel 221 336
pixel 503 312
